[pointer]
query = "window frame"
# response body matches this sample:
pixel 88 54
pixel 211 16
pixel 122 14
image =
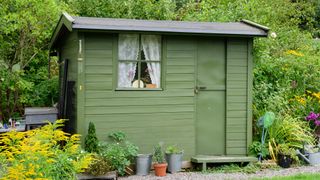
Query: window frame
pixel 139 60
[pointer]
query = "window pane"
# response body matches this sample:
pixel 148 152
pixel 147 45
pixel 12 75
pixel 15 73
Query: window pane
pixel 128 46
pixel 145 72
pixel 126 74
pixel 150 74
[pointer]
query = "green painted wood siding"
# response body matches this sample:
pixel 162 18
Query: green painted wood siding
pixel 147 117
pixel 237 96
pixel 69 50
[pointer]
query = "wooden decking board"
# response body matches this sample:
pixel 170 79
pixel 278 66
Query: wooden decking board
pixel 220 159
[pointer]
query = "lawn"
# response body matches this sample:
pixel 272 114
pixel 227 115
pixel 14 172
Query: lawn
pixel 299 176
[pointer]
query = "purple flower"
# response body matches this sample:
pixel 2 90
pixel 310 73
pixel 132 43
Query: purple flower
pixel 312 116
pixel 317 122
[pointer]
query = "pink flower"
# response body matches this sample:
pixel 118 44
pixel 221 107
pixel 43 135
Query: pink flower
pixel 312 116
pixel 317 122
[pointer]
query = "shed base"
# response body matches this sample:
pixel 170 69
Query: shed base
pixel 204 159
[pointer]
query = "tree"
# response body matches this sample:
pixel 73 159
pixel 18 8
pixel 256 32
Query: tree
pixel 133 9
pixel 91 140
pixel 25 31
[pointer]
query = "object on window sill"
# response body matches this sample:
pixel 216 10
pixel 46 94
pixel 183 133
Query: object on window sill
pixel 151 86
pixel 136 84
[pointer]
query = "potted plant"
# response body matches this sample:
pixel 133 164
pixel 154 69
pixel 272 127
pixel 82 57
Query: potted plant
pixel 174 158
pixel 285 155
pixel 143 164
pixel 160 166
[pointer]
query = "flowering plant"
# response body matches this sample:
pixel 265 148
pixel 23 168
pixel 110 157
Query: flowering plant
pixel 314 118
pixel 42 153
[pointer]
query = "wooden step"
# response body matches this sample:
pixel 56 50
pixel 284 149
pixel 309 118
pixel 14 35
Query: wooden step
pixel 204 159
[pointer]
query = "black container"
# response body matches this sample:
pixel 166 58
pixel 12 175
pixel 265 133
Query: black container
pixel 284 161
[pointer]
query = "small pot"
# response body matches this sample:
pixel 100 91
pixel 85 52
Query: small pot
pixel 160 169
pixel 174 162
pixel 143 164
pixel 284 160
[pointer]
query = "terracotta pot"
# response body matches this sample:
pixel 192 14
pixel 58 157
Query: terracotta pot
pixel 151 86
pixel 160 169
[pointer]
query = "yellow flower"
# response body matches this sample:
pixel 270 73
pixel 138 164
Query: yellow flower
pixel 317 95
pixel 295 53
pixel 301 100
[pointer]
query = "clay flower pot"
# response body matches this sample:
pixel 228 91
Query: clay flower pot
pixel 160 169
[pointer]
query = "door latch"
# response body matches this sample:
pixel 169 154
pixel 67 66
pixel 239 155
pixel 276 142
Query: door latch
pixel 197 88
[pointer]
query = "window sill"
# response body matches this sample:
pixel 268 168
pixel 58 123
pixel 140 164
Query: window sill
pixel 138 89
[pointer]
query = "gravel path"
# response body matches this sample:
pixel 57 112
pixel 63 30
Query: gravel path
pixel 221 176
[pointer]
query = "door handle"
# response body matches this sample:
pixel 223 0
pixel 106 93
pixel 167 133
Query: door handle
pixel 197 88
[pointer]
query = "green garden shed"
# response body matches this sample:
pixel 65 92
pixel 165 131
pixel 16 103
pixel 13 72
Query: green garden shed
pixel 184 83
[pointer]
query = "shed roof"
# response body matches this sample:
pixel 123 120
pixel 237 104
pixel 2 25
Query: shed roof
pixel 243 28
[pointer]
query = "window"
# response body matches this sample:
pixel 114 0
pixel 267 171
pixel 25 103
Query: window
pixel 139 61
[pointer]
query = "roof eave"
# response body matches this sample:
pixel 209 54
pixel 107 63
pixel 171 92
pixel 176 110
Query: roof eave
pixel 65 20
pixel 163 30
pixel 256 25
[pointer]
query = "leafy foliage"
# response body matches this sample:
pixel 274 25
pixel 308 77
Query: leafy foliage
pixel 158 153
pixel 286 71
pixel 257 148
pixel 24 37
pixel 287 134
pixel 99 166
pixel 118 136
pixel 13 93
pixel 133 9
pixel 91 140
pixel 173 149
pixel 39 154
pixel 120 152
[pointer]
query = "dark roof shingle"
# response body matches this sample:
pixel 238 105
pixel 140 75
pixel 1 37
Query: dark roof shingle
pixel 230 28
pixel 244 28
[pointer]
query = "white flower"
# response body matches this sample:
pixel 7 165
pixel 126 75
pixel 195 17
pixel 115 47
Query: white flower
pixel 273 35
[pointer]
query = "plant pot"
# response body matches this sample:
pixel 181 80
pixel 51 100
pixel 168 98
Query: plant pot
pixel 143 164
pixel 284 160
pixel 174 162
pixel 160 169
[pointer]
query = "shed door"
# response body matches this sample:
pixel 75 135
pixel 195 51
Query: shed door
pixel 210 97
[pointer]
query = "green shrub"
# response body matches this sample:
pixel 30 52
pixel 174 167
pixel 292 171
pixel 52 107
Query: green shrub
pixel 257 148
pixel 99 166
pixel 288 133
pixel 120 152
pixel 91 140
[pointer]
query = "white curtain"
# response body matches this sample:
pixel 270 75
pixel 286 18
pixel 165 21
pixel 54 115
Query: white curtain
pixel 151 45
pixel 128 50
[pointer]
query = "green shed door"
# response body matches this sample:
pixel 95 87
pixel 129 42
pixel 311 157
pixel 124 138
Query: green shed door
pixel 210 97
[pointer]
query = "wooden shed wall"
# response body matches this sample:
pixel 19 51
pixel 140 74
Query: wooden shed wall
pixel 238 96
pixel 146 116
pixel 69 51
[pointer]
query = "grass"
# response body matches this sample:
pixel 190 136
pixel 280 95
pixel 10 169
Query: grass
pixel 295 177
pixel 234 168
pixel 254 167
